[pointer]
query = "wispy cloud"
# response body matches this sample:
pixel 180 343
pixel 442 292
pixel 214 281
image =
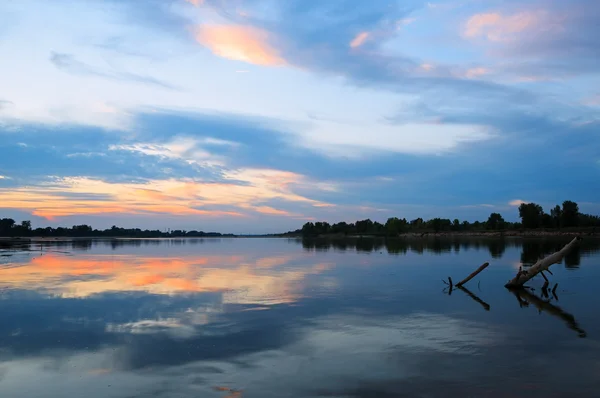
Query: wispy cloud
pixel 239 43
pixel 195 2
pixel 498 27
pixel 69 64
pixel 592 101
pixel 473 73
pixel 186 149
pixel 359 39
pixel 5 104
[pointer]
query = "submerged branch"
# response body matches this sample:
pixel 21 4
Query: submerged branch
pixel 542 265
pixel 473 275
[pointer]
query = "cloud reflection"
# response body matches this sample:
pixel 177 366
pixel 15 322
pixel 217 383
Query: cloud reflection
pixel 241 280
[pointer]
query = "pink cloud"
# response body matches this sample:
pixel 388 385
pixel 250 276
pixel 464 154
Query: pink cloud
pixel 498 27
pixel 239 43
pixel 359 39
pixel 195 2
pixel 474 73
pixel 593 101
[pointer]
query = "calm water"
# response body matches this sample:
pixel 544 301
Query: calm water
pixel 284 318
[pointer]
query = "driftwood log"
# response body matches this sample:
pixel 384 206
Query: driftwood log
pixel 468 278
pixel 542 265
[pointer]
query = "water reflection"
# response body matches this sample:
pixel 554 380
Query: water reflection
pixel 524 297
pixel 241 280
pixel 269 318
pixel 532 248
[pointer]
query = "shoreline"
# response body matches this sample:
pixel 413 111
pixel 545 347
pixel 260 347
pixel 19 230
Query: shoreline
pixel 445 234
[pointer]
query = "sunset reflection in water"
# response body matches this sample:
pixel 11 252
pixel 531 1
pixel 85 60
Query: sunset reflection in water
pixel 241 280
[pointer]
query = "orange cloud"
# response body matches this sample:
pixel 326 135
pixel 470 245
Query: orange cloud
pixel 271 211
pixel 146 280
pixel 359 39
pixel 71 196
pixel 498 27
pixel 239 43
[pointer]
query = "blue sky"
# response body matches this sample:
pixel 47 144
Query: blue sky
pixel 259 115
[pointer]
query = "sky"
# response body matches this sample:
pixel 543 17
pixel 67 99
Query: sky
pixel 256 116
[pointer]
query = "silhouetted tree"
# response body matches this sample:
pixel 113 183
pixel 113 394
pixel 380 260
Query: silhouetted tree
pixel 570 214
pixel 556 214
pixel 531 215
pixel 456 225
pixel 495 221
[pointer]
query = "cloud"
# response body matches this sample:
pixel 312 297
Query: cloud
pixel 239 43
pixel 407 138
pixel 517 202
pixel 186 149
pixel 241 190
pixel 477 72
pixel 427 67
pixel 498 27
pixel 68 63
pixel 359 39
pixel 555 40
pixel 195 2
pixel 406 21
pixel 5 104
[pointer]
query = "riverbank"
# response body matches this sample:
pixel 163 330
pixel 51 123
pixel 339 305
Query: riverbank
pixel 526 233
pixel 467 234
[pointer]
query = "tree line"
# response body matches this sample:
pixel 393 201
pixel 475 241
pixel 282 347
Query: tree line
pixel 9 228
pixel 532 216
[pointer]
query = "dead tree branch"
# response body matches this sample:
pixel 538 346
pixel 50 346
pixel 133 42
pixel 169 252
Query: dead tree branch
pixel 473 275
pixel 542 265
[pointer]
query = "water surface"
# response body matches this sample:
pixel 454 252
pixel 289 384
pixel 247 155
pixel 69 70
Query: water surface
pixel 289 318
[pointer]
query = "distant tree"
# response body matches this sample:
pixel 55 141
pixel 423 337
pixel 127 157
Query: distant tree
pixel 364 226
pixel 322 228
pixel 570 214
pixel 547 221
pixel 531 215
pixel 308 229
pixel 456 225
pixel 392 226
pixel 340 228
pixel 439 224
pixel 556 214
pixel 586 220
pixel 417 223
pixel 495 221
pixel 6 226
